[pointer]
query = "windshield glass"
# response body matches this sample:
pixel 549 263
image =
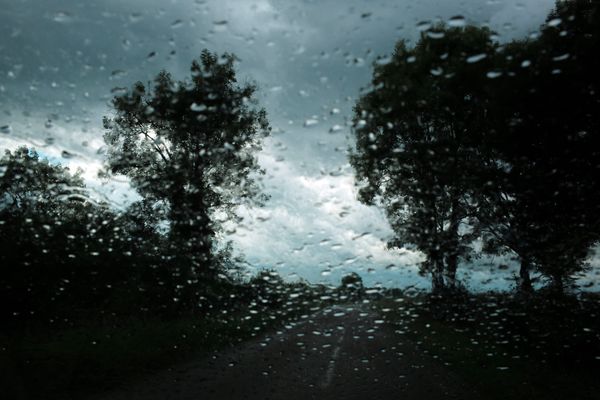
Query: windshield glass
pixel 284 199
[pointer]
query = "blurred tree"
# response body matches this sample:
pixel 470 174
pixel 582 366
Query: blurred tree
pixel 545 201
pixel 190 147
pixel 269 288
pixel 417 134
pixel 65 256
pixel 30 184
pixel 352 286
pixel 51 233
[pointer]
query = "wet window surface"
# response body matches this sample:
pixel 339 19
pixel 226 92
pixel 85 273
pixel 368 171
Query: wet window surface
pixel 275 199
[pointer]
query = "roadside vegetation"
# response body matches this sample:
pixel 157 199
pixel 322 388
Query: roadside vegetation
pixel 94 355
pixel 542 348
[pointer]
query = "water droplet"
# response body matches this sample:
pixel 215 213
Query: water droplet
pixel 457 21
pixel 300 50
pixel 423 25
pixel 62 17
pixel 118 73
pixel 436 71
pixel 435 35
pixel 476 58
pixel 220 26
pixel 561 57
pixel 335 128
pixel 135 17
pixel 228 146
pixel 359 61
pixel 554 22
pixel 198 107
pixel 310 122
pixel 118 91
pixel 383 60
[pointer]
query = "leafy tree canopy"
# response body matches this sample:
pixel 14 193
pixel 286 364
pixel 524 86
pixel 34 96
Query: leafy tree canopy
pixel 417 131
pixel 190 146
pixel 29 184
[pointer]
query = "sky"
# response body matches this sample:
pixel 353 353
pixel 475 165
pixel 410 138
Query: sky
pixel 59 61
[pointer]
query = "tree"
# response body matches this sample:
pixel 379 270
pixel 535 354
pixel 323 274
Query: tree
pixel 268 287
pixel 189 146
pixel 544 204
pixel 568 88
pixel 64 256
pixel 352 285
pixel 50 234
pixel 29 184
pixel 417 132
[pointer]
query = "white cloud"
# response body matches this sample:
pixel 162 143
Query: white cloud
pixel 314 228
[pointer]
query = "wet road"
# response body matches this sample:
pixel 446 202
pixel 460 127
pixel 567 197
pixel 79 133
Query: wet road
pixel 338 353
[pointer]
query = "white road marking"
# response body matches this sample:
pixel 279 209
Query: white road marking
pixel 331 368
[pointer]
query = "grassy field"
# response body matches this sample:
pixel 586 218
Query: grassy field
pixel 508 348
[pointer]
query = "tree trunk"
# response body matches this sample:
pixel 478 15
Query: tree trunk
pixel 524 276
pixel 192 230
pixel 438 284
pixel 452 244
pixel 451 267
pixel 558 285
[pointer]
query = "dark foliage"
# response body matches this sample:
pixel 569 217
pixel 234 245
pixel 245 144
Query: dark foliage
pixel 461 138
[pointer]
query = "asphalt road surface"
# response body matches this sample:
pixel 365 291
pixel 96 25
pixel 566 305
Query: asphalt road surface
pixel 338 353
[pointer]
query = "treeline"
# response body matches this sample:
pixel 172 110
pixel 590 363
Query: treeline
pixel 189 150
pixel 464 140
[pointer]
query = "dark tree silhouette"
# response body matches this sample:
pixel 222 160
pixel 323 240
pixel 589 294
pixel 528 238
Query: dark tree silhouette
pixel 189 147
pixel 352 286
pixel 51 235
pixel 545 201
pixel 29 183
pixel 417 132
pixel 460 138
pixel 65 256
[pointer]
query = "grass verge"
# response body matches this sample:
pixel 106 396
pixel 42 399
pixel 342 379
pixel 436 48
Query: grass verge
pixel 507 348
pixel 95 357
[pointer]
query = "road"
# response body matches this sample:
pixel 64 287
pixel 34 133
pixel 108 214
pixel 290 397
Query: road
pixel 338 353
